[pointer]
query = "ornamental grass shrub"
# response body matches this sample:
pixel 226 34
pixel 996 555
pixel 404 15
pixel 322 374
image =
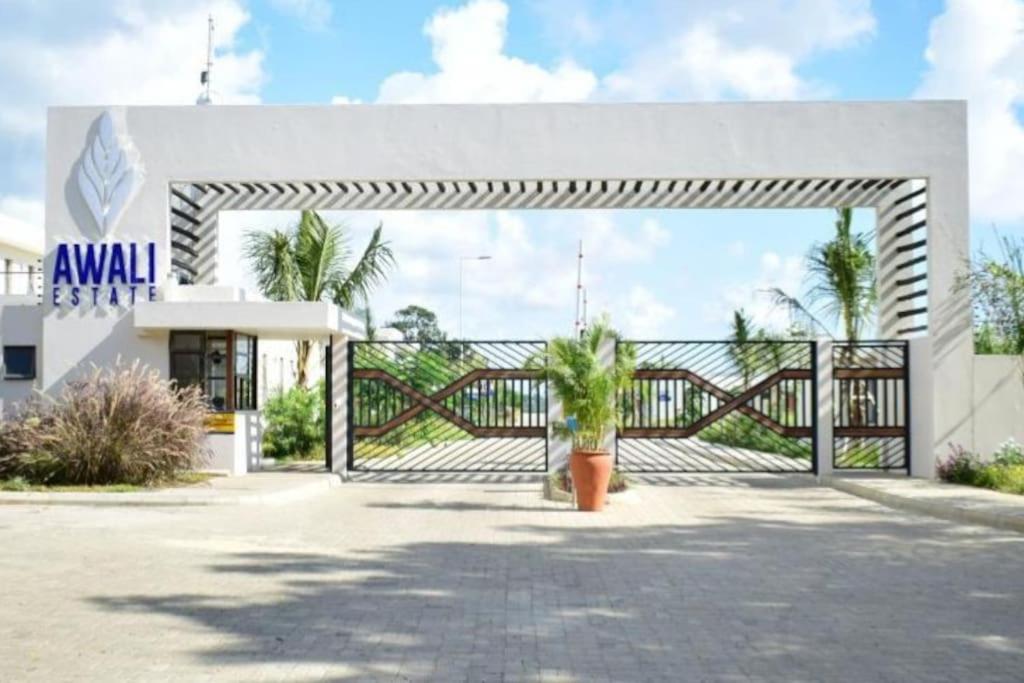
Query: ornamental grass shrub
pixel 116 425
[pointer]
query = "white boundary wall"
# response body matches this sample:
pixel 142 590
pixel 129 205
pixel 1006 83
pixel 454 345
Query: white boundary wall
pixel 998 402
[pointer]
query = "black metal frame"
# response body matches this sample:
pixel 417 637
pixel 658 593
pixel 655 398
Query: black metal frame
pixel 329 405
pixel 415 402
pixel 805 375
pixel 884 432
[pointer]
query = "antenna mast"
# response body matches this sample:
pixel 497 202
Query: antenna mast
pixel 204 77
pixel 577 326
pixel 584 309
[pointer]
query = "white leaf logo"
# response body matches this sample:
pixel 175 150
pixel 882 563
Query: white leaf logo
pixel 109 174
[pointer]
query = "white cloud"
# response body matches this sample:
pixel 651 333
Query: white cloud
pixel 314 14
pixel 608 234
pixel 976 51
pixel 526 289
pixel 468 47
pixel 643 315
pixel 130 53
pixel 24 209
pixel 784 272
pixel 749 49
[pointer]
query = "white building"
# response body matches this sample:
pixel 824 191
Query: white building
pixel 131 257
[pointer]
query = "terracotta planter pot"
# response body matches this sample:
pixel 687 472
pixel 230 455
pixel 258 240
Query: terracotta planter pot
pixel 591 472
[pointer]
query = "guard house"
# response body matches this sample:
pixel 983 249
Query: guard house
pixel 130 261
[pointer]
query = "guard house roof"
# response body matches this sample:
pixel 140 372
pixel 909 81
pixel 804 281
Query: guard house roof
pixel 265 319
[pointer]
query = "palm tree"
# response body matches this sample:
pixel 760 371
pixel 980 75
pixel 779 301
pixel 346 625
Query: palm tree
pixel 841 273
pixel 587 386
pixel 742 333
pixel 310 262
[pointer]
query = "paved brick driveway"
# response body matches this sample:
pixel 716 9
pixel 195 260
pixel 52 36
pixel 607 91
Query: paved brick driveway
pixel 733 579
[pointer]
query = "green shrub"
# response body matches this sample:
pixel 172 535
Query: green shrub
pixel 294 424
pixel 1006 478
pixel 960 467
pixel 739 431
pixel 1009 453
pixel 122 424
pixel 1005 474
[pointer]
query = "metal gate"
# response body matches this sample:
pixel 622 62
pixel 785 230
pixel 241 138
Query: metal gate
pixel 870 405
pixel 717 406
pixel 446 407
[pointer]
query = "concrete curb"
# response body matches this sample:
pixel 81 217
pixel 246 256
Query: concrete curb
pixel 199 498
pixel 942 510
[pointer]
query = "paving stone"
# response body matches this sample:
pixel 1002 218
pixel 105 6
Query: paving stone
pixel 728 579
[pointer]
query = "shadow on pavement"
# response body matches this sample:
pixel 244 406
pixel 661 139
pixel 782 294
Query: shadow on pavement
pixel 742 597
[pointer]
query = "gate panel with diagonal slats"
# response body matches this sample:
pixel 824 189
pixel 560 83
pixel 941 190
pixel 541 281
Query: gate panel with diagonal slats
pixel 446 407
pixel 719 407
pixel 870 405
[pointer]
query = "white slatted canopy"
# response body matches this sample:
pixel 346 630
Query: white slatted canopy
pixel 900 202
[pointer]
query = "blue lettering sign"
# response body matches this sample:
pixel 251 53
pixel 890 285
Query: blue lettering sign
pixel 62 268
pixel 117 272
pixel 90 267
pixel 109 273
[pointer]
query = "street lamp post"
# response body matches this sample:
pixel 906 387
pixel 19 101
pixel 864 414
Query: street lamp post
pixel 462 260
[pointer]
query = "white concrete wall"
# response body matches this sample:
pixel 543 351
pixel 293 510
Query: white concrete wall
pixel 222 453
pixel 248 441
pixel 20 326
pixel 998 402
pixel 241 451
pixel 914 139
pixel 923 450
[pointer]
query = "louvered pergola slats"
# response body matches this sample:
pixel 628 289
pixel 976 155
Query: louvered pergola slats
pixel 900 205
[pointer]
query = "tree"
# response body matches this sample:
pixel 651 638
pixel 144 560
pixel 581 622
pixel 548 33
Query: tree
pixel 417 324
pixel 841 274
pixel 997 292
pixel 310 262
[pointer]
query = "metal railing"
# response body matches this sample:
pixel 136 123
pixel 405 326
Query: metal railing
pixel 21 282
pixel 446 406
pixel 719 406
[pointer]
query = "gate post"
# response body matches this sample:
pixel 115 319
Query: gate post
pixel 606 356
pixel 920 418
pixel 558 447
pixel 338 402
pixel 824 445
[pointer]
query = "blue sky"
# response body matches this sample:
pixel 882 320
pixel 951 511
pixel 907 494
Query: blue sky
pixel 660 274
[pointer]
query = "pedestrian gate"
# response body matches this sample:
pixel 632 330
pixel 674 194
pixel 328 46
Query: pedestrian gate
pixel 870 405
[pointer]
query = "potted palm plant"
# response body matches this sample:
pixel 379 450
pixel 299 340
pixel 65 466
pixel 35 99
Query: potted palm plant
pixel 586 375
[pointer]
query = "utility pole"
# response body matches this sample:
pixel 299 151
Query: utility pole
pixel 204 76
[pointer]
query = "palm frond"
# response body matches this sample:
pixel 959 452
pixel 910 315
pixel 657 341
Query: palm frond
pixel 369 272
pixel 272 258
pixel 797 311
